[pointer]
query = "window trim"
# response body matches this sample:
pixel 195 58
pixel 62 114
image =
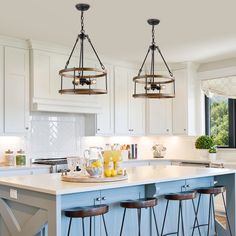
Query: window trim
pixel 232 121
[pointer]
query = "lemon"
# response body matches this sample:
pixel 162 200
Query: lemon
pixel 113 173
pixel 107 173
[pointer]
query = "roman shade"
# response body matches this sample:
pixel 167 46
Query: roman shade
pixel 225 86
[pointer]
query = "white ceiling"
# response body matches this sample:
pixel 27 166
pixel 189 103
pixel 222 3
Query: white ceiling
pixel 190 30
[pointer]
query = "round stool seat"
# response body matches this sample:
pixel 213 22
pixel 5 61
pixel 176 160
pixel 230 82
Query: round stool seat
pixel 212 190
pixel 188 195
pixel 139 203
pixel 87 211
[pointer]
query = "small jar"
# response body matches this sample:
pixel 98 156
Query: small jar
pixel 9 158
pixel 20 158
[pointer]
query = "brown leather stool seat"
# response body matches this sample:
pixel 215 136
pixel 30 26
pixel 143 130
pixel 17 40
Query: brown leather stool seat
pixel 140 203
pixel 212 190
pixel 188 195
pixel 87 211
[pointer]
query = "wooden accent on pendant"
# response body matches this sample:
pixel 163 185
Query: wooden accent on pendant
pixel 212 190
pixel 188 195
pixel 87 211
pixel 139 203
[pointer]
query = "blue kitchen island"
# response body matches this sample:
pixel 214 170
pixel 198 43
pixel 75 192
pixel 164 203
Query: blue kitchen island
pixel 34 205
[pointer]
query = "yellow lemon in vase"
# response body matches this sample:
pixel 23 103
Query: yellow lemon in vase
pixel 107 173
pixel 113 173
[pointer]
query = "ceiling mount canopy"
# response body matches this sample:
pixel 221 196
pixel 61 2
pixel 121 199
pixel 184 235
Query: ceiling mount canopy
pixel 153 84
pixel 83 79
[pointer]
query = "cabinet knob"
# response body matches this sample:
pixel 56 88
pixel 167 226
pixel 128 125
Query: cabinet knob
pixel 131 130
pixel 184 129
pixel 167 130
pixel 98 199
pixel 98 129
pixel 104 198
pixel 27 128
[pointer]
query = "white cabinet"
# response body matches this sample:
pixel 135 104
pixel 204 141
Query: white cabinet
pixel 14 80
pixel 159 116
pixel 16 90
pixel 186 117
pixel 129 111
pixel 180 102
pixel 105 118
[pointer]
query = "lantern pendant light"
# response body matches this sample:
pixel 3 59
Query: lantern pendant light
pixel 154 85
pixel 83 79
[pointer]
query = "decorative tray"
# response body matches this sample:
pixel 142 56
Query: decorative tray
pixel 88 179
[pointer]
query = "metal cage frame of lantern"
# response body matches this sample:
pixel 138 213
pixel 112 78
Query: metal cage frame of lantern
pixel 153 84
pixel 83 76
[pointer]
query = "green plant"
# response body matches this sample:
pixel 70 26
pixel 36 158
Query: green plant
pixel 204 142
pixel 212 149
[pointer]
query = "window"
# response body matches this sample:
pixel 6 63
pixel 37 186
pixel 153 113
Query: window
pixel 220 120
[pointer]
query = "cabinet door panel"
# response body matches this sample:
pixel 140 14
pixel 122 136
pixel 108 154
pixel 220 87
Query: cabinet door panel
pixel 121 100
pixel 16 89
pixel 1 90
pixel 136 108
pixel 105 119
pixel 180 103
pixel 159 116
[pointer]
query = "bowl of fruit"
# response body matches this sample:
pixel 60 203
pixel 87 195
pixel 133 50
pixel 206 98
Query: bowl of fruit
pixel 95 169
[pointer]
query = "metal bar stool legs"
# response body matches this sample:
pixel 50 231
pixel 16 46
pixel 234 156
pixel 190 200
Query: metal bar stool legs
pixel 211 191
pixel 139 205
pixel 87 212
pixel 183 196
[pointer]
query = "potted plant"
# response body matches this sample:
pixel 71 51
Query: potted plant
pixel 203 144
pixel 212 153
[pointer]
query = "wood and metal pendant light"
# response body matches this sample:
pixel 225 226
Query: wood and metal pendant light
pixel 153 84
pixel 83 79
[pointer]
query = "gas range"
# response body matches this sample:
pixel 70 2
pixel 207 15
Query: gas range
pixel 57 165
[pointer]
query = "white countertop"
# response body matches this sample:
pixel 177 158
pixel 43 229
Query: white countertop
pixel 52 184
pixel 26 167
pixel 195 160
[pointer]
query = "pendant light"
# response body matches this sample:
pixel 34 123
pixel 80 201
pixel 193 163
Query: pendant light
pixel 154 85
pixel 83 79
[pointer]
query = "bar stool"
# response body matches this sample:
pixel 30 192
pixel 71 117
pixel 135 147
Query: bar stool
pixel 139 204
pixel 212 191
pixel 88 211
pixel 182 196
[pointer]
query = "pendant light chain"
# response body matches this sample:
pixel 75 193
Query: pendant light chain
pixel 153 35
pixel 83 78
pixel 82 22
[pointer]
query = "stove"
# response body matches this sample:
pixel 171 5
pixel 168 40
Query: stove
pixel 57 165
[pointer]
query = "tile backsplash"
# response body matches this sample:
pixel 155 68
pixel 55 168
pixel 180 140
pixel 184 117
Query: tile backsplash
pixel 54 134
pixel 62 134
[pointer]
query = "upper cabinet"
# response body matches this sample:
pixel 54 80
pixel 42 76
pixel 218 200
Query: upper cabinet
pixel 129 111
pixel 16 90
pixel 159 116
pixel 45 82
pixel 14 86
pixel 105 118
pixel 186 111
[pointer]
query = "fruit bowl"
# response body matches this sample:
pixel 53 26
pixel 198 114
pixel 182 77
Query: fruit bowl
pixel 95 172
